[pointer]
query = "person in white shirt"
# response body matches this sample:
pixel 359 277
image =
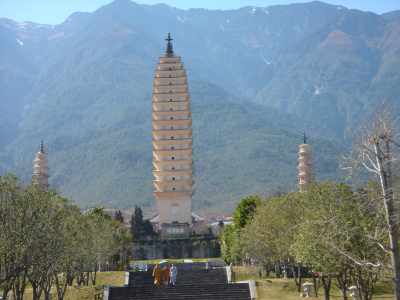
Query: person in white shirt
pixel 173 272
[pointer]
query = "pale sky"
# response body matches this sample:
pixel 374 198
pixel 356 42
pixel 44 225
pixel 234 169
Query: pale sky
pixel 56 11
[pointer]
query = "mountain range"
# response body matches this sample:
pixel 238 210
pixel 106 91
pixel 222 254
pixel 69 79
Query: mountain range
pixel 258 78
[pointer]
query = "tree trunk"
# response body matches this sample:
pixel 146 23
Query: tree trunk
pixel 267 271
pixel 87 278
pixel 80 278
pixel 70 279
pixel 61 286
pixel 6 290
pixel 37 286
pixel 297 278
pixel 277 269
pixel 391 218
pixel 327 286
pixel 316 285
pixel 47 286
pixel 35 292
pixel 342 283
pixel 93 275
pixel 19 285
pixel 365 283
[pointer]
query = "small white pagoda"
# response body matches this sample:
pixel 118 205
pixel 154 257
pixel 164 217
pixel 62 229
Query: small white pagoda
pixel 306 168
pixel 40 169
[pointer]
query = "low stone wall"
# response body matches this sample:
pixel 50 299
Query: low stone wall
pixel 176 249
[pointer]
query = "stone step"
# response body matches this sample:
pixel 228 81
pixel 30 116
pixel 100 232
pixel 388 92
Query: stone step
pixel 194 281
pixel 200 291
pixel 182 266
pixel 185 276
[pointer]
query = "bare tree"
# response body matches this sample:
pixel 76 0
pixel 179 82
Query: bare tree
pixel 376 148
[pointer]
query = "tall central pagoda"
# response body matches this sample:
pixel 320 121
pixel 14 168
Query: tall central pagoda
pixel 172 142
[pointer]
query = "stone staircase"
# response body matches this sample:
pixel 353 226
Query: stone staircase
pixel 236 291
pixel 194 281
pixel 188 273
pixel 141 278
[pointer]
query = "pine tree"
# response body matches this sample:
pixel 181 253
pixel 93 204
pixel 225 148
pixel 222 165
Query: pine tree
pixel 148 228
pixel 137 223
pixel 118 216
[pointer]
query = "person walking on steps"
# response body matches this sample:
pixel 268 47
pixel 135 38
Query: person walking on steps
pixel 165 273
pixel 173 273
pixel 157 274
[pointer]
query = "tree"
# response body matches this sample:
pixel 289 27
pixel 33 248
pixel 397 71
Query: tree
pixel 314 229
pixel 333 219
pixel 376 147
pixel 67 266
pixel 103 243
pixel 259 239
pixel 52 215
pixel 118 216
pixel 138 226
pixel 32 239
pixel 97 242
pixel 148 228
pixel 44 239
pixel 125 238
pixel 12 248
pixel 244 210
pixel 99 210
pixel 268 235
pixel 231 245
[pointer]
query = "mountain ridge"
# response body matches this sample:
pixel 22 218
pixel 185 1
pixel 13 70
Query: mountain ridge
pixel 258 78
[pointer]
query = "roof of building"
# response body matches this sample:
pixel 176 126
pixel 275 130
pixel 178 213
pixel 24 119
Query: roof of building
pixel 195 218
pixel 217 223
pixel 154 219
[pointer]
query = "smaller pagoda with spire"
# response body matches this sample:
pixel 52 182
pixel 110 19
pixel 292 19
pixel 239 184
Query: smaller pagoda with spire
pixel 40 169
pixel 306 168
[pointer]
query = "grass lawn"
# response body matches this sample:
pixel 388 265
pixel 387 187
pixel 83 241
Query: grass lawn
pixel 279 288
pixel 87 292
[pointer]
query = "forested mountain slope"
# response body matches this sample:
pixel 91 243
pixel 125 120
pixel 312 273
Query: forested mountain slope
pixel 84 87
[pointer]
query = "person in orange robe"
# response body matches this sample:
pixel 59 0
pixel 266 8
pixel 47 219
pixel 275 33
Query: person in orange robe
pixel 157 274
pixel 165 273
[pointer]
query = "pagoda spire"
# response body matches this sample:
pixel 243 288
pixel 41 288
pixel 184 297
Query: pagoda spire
pixel 41 148
pixel 40 169
pixel 306 168
pixel 169 52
